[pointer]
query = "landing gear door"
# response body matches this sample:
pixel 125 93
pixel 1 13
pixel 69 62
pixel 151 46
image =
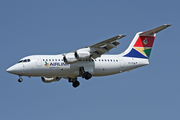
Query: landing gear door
pixel 38 61
pixel 89 69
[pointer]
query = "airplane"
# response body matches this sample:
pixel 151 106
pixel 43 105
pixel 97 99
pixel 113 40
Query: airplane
pixel 89 61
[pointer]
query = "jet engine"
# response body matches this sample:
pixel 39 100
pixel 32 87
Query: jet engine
pixel 69 58
pixel 49 80
pixel 81 55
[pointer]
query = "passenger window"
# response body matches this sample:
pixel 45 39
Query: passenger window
pixel 102 59
pixel 111 60
pixel 58 59
pixel 105 59
pixel 55 59
pixel 46 59
pixel 52 59
pixel 116 60
pixel 43 59
pixel 49 59
pixel 99 60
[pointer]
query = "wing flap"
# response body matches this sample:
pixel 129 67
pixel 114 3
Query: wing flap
pixel 104 46
pixel 111 45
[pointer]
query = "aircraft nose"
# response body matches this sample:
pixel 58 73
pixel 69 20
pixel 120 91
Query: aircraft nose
pixel 9 70
pixel 15 69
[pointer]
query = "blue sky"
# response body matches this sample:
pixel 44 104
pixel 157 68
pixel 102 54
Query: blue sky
pixel 54 27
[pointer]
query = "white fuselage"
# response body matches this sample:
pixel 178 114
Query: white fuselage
pixel 54 65
pixel 89 61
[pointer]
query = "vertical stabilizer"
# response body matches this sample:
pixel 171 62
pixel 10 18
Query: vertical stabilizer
pixel 142 43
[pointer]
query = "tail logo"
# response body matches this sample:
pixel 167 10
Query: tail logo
pixel 142 43
pixel 145 41
pixel 142 47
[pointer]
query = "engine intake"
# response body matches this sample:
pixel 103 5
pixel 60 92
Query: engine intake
pixel 49 80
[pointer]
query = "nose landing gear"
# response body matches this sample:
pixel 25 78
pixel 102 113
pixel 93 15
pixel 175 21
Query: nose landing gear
pixel 20 79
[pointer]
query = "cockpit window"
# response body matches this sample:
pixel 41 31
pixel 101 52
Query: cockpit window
pixel 20 61
pixel 25 60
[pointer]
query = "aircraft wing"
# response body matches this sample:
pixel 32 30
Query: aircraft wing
pixel 92 51
pixel 104 46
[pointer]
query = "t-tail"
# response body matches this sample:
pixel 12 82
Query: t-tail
pixel 142 43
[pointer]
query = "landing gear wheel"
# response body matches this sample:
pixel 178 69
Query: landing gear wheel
pixel 87 75
pixel 20 80
pixel 84 74
pixel 75 84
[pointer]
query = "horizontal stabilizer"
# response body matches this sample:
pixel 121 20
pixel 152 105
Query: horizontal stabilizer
pixel 155 30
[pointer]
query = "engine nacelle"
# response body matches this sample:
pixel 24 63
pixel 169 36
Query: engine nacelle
pixel 49 80
pixel 70 58
pixel 81 55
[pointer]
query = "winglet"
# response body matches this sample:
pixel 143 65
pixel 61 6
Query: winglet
pixel 155 30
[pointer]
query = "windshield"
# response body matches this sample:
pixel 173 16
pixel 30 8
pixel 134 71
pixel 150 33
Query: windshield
pixel 25 60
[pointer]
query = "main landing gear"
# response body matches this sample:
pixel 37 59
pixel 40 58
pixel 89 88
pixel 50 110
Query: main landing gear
pixel 75 82
pixel 84 74
pixel 20 79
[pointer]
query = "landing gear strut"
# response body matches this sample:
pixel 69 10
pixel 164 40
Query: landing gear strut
pixel 20 79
